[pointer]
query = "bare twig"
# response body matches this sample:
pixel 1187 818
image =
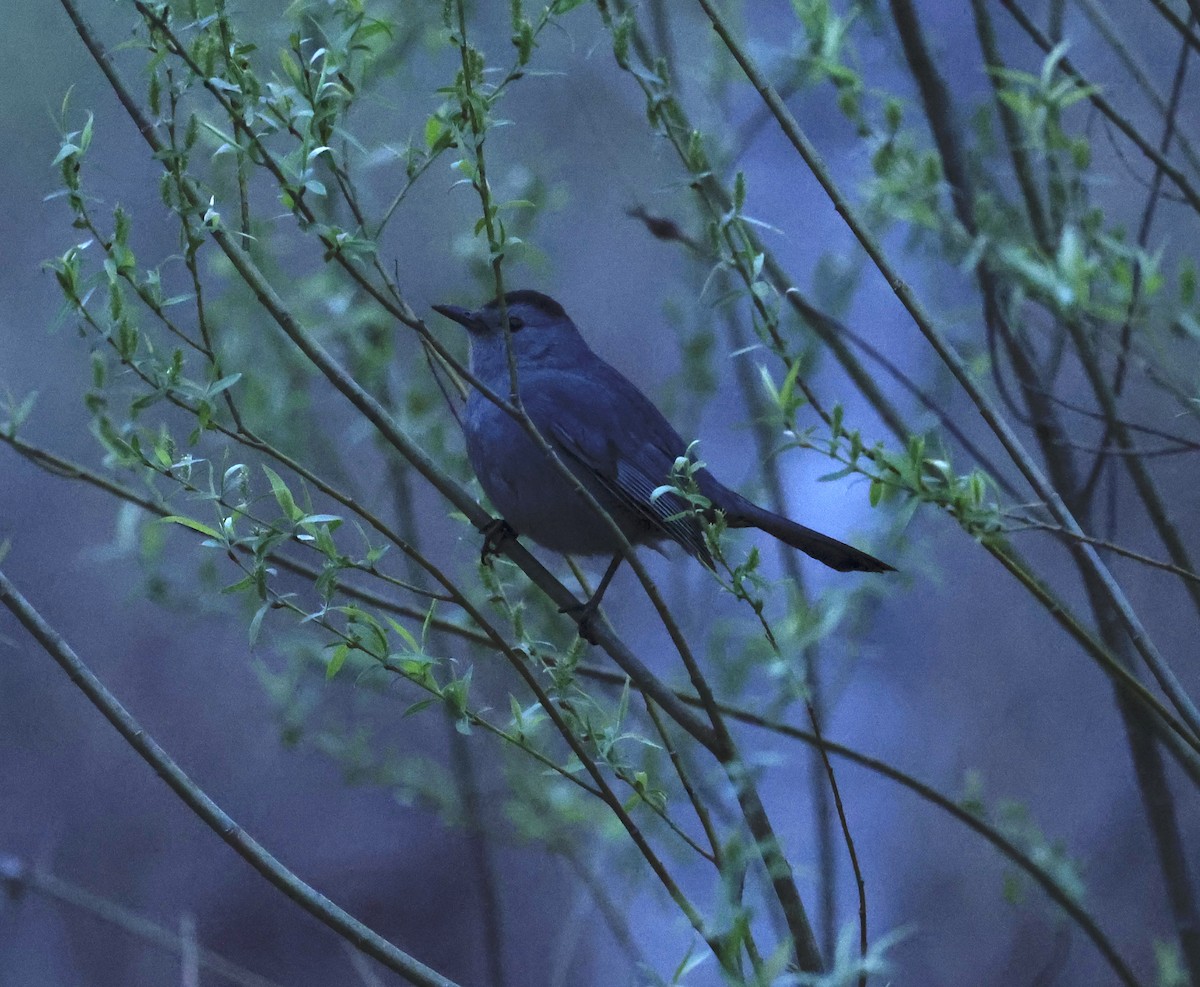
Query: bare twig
pixel 17 878
pixel 249 849
pixel 1177 177
pixel 1109 546
pixel 941 345
pixel 1010 850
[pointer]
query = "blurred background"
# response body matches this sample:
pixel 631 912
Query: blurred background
pixel 952 674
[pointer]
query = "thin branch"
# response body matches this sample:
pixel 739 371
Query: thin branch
pixel 1143 237
pixel 1014 141
pixel 1158 452
pixel 1169 729
pixel 1126 423
pixel 249 849
pixel 1148 214
pixel 939 110
pixel 717 203
pixel 1128 553
pixel 681 771
pixel 859 882
pixel 377 415
pixel 19 878
pixel 810 313
pixel 764 438
pixel 1177 22
pixel 1042 877
pixel 1178 178
pixel 826 325
pixel 613 913
pixel 482 861
pixel 1147 490
pixel 1111 33
pixel 67 469
pixel 940 343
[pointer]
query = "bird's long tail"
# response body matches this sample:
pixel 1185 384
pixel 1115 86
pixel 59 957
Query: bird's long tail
pixel 742 513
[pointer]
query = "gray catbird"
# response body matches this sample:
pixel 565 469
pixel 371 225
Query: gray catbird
pixel 607 433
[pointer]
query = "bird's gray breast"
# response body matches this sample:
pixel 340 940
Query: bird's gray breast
pixel 529 490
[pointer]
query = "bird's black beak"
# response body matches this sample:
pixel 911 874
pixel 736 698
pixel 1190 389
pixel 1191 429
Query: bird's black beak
pixel 463 316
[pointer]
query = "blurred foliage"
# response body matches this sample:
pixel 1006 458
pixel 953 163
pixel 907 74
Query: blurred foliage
pixel 268 134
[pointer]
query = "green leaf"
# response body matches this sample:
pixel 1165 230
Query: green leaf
pixel 223 384
pixel 318 519
pixel 256 621
pixel 435 129
pixel 405 633
pixel 188 522
pixel 337 660
pixel 283 495
pixel 418 706
pixel 66 151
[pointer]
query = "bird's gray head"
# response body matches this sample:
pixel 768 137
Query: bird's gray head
pixel 542 332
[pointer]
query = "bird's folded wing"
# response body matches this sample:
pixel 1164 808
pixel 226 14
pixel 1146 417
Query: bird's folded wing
pixel 627 479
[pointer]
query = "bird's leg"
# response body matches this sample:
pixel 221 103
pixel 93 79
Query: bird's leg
pixel 583 613
pixel 497 530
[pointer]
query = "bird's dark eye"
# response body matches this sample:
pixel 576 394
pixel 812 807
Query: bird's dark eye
pixel 515 322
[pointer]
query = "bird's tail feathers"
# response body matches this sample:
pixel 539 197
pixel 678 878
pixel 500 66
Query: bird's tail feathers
pixel 829 551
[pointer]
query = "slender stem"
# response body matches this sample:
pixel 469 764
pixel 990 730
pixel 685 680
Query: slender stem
pixel 68 469
pixel 1177 22
pixel 249 849
pixel 483 869
pixel 1155 791
pixel 859 883
pixel 1143 237
pixel 939 110
pixel 980 826
pixel 1112 666
pixel 717 203
pixel 1113 34
pixel 681 771
pixel 481 837
pixel 614 913
pixel 1178 178
pixel 1132 426
pixel 18 878
pixel 1014 140
pixel 957 366
pixel 820 783
pixel 1109 546
pixel 779 870
pixel 1156 510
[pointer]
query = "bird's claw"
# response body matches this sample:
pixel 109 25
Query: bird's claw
pixel 496 531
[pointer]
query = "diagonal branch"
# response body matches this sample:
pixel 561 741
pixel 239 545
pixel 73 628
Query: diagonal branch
pixel 927 793
pixel 249 849
pixel 374 412
pixel 1177 177
pixel 1004 432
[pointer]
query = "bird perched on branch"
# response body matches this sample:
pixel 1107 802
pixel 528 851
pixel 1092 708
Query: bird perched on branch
pixel 610 437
